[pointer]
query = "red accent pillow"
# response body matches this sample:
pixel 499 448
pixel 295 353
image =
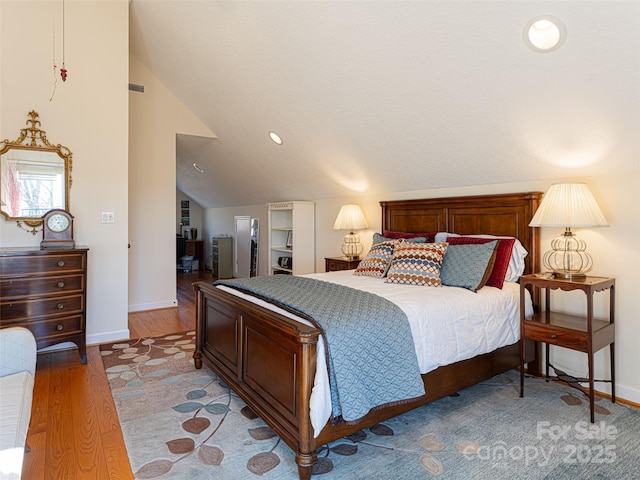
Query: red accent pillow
pixel 430 236
pixel 503 255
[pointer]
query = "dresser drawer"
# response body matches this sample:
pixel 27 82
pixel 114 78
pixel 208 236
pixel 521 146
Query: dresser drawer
pixel 31 287
pixel 555 335
pixel 46 329
pixel 13 310
pixel 21 265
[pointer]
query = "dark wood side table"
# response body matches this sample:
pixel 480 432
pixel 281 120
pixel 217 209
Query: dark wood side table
pixel 195 248
pixel 333 264
pixel 577 332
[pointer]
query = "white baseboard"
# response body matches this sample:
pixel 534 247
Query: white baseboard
pixel 91 340
pixel 153 306
pixel 107 337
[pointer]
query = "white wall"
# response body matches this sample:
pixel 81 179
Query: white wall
pixel 88 114
pixel 156 117
pixel 614 250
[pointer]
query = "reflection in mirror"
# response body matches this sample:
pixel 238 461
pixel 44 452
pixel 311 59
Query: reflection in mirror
pixel 255 237
pixel 32 182
pixel 35 176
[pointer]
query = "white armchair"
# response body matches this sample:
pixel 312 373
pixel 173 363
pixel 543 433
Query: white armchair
pixel 17 372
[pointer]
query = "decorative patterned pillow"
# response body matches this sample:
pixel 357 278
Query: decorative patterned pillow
pixel 377 261
pixel 417 264
pixel 377 238
pixel 468 266
pixel 503 255
pixel 430 236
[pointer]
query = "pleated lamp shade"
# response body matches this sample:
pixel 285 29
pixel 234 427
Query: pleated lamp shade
pixel 568 205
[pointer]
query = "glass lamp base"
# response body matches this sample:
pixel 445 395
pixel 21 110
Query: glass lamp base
pixel 351 248
pixel 568 258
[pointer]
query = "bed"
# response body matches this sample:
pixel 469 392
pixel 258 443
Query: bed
pixel 236 337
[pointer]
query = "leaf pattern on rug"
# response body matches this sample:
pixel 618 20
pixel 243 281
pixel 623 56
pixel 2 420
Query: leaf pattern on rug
pixel 181 445
pixel 381 429
pixel 600 409
pixel 431 443
pixel 359 436
pixel 261 433
pixel 434 446
pixel 508 393
pixel 431 465
pixel 210 455
pixel 571 400
pixel 324 465
pixel 263 462
pixel 345 449
pixel 196 425
pixel 154 469
pixel 248 413
pixel 468 448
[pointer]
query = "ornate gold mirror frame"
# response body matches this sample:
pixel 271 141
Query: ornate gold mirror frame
pixel 35 176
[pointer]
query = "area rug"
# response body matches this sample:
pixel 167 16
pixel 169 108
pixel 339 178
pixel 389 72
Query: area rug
pixel 183 423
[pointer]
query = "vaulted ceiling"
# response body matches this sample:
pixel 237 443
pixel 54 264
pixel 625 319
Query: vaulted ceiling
pixel 391 96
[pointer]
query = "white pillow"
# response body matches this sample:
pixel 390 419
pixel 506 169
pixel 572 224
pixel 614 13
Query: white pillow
pixel 516 262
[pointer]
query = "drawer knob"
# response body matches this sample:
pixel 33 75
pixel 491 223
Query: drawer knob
pixel 553 335
pixel 60 306
pixel 61 263
pixel 59 327
pixel 61 284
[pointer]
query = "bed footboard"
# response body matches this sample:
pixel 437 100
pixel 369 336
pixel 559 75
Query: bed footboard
pixel 267 359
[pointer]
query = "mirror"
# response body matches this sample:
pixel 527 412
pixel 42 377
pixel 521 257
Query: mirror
pixel 35 176
pixel 255 237
pixel 246 246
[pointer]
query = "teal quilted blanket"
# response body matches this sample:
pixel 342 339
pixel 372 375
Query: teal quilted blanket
pixel 371 354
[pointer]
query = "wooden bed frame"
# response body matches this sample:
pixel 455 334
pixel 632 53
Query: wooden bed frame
pixel 269 360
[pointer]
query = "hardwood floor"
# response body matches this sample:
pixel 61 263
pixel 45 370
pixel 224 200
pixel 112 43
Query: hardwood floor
pixel 74 431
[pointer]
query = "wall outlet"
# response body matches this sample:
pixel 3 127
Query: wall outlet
pixel 108 217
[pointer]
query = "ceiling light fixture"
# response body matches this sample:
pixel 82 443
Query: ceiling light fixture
pixel 276 138
pixel 544 34
pixel 198 168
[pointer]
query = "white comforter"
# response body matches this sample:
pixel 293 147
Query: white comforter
pixel 448 324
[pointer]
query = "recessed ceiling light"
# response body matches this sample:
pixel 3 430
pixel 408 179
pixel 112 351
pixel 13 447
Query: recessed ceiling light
pixel 275 137
pixel 198 168
pixel 544 34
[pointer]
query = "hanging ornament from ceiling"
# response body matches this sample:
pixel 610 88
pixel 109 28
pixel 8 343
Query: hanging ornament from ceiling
pixel 63 69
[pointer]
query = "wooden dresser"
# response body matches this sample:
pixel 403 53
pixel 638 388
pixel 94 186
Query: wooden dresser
pixel 46 292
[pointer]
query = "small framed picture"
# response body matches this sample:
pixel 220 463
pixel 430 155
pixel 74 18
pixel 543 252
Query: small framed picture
pixel 184 203
pixel 185 213
pixel 290 238
pixel 184 221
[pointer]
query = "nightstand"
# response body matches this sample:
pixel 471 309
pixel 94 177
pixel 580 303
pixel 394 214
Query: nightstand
pixel 577 332
pixel 334 264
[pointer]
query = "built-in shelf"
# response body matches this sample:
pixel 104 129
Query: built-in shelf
pixel 291 237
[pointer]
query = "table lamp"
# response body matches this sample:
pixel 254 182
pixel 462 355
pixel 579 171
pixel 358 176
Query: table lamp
pixel 568 205
pixel 351 218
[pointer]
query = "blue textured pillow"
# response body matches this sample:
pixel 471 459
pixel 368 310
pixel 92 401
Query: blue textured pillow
pixel 377 238
pixel 468 266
